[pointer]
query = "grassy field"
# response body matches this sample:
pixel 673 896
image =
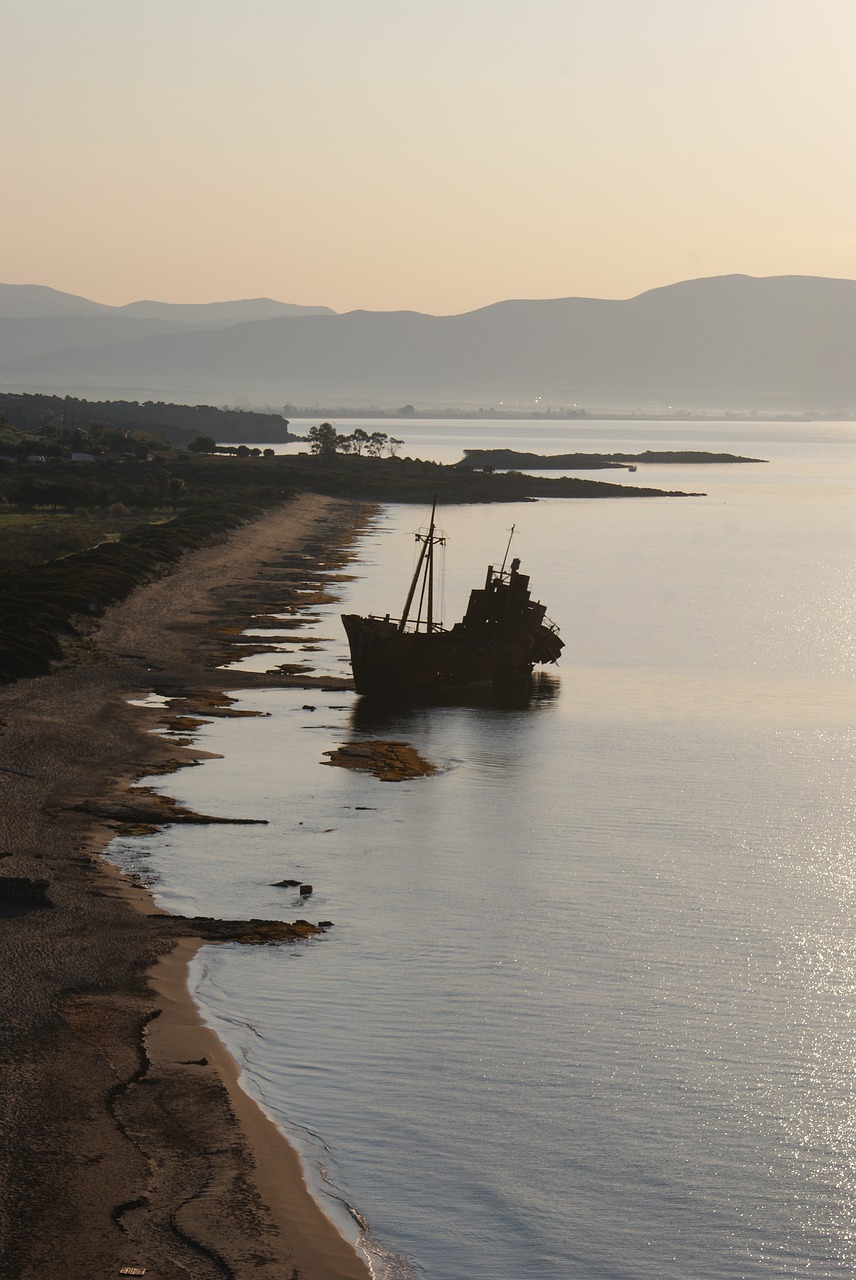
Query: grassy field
pixel 32 537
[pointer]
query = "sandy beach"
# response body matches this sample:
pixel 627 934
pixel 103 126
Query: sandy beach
pixel 127 1141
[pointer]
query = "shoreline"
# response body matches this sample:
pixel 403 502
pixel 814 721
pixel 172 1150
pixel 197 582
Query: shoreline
pixel 132 1142
pixel 318 1247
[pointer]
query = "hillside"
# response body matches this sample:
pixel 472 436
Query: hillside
pixel 779 344
pixel 46 416
pixel 21 301
pixel 36 321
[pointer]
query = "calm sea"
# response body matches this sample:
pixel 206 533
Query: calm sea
pixel 589 1005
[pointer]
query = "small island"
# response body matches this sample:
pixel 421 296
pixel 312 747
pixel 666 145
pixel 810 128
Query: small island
pixel 512 459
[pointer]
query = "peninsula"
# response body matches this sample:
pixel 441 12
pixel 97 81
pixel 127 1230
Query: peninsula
pixel 510 459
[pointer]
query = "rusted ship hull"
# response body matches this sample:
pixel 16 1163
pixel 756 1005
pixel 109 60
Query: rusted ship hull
pixel 386 661
pixel 500 638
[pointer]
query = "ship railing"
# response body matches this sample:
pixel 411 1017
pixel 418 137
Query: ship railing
pixel 411 625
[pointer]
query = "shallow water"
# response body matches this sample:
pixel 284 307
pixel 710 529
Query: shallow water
pixel 587 1007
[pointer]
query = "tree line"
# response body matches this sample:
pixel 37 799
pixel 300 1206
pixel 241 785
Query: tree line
pixel 31 412
pixel 325 441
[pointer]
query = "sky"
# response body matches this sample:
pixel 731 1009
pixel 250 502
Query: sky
pixel 431 156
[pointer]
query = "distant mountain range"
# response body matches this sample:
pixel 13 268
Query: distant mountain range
pixel 775 344
pixel 35 301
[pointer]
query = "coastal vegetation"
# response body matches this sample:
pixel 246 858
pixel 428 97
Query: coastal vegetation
pixel 54 420
pixel 42 604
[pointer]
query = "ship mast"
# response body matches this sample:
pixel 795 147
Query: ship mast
pixel 508 548
pixel 425 571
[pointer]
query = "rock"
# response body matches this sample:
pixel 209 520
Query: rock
pixel 388 761
pixel 23 890
pixel 285 884
pixel 244 931
pixel 305 890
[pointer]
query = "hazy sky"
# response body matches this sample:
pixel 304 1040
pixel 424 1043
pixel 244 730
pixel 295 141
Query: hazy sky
pixel 434 155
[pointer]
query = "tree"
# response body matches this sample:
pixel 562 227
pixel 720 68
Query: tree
pixel 378 441
pixel 203 444
pixel 359 441
pixel 324 440
pixel 176 488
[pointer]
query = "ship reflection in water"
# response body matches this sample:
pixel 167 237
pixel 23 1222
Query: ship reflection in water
pixel 373 714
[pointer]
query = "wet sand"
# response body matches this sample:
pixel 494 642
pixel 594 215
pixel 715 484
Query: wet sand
pixel 127 1140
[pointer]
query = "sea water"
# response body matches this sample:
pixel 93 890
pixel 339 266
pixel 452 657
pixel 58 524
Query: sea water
pixel 587 1008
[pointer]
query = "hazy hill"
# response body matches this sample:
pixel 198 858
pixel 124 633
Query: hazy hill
pixel 22 300
pixel 23 337
pixel 35 320
pixel 783 343
pixel 210 313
